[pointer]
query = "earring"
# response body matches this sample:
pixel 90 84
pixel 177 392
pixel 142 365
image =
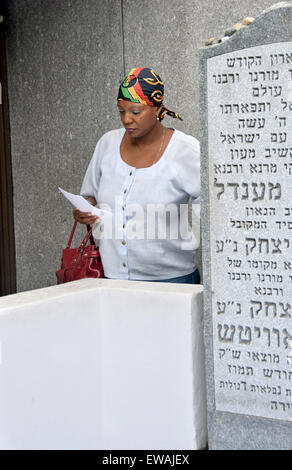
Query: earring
pixel 157 118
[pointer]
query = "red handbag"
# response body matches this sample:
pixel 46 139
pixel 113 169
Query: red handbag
pixel 81 262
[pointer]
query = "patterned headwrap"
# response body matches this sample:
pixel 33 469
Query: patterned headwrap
pixel 143 85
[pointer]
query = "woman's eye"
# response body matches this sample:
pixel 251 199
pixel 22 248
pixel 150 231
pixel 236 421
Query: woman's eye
pixel 134 112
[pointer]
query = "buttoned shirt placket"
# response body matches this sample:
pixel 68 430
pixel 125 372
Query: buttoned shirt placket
pixel 126 191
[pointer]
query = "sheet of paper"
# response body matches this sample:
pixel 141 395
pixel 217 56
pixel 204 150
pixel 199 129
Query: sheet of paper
pixel 83 205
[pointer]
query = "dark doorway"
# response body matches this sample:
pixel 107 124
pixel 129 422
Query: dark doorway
pixel 7 241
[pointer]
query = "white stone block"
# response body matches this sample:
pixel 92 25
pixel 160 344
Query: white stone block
pixel 101 364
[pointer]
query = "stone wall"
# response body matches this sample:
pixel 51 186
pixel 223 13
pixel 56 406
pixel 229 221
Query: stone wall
pixel 65 61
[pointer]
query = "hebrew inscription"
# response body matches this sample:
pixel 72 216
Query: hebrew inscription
pixel 250 180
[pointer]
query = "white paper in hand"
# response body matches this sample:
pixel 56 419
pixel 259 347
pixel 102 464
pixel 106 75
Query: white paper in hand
pixel 83 205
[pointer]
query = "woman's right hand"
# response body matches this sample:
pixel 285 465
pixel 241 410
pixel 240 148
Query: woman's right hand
pixel 85 217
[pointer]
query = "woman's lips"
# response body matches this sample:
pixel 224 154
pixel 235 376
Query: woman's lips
pixel 130 130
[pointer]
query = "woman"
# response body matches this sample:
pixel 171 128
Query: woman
pixel 145 174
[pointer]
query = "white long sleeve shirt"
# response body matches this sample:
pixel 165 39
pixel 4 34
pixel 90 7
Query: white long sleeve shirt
pixel 147 237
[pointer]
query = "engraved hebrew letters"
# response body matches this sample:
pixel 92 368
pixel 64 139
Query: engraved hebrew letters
pixel 250 181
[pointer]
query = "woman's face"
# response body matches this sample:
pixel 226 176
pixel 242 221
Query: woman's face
pixel 138 119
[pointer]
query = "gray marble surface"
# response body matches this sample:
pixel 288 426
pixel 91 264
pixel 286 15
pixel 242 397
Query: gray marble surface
pixel 65 61
pixel 236 421
pixel 64 64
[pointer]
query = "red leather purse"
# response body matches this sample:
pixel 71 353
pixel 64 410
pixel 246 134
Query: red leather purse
pixel 81 262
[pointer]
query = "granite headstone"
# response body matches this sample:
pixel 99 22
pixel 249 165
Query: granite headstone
pixel 246 141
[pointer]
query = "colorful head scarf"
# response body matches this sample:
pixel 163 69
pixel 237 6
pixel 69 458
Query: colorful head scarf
pixel 143 85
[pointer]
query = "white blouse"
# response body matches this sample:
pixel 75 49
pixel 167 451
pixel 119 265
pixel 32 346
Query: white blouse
pixel 148 236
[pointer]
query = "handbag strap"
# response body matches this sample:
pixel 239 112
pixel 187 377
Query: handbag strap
pixel 72 233
pixel 89 229
pixel 86 238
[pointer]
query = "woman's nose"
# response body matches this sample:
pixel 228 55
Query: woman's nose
pixel 126 118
